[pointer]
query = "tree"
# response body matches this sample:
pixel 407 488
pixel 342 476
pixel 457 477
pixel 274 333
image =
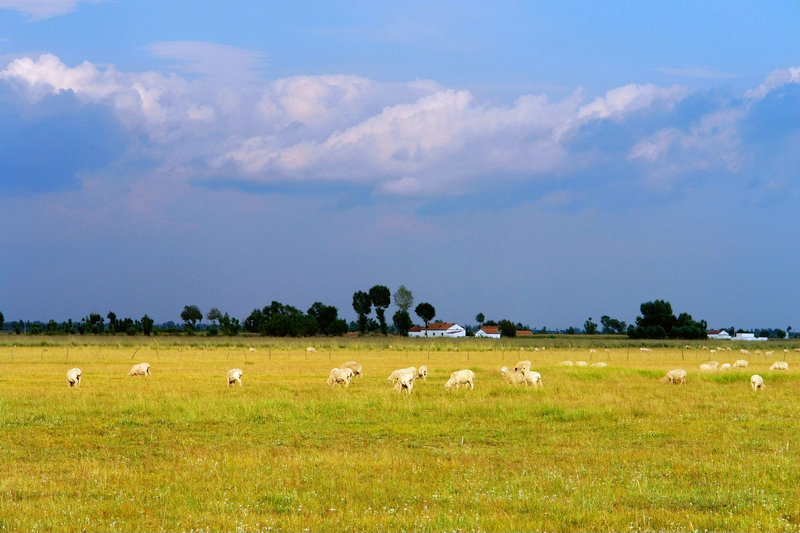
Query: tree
pixel 325 315
pixel 112 322
pixel 612 325
pixel 381 299
pixel 147 325
pixel 214 315
pixel 3 319
pixel 228 325
pixel 191 315
pixel 362 304
pixel 403 299
pixel 426 312
pixel 507 328
pixel 658 322
pixel 479 318
pixel 402 321
pixel 590 327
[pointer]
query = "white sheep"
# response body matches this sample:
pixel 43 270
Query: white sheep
pixel 724 366
pixel 405 381
pixel 600 364
pixel 340 376
pixel 533 378
pixel 422 372
pixel 710 366
pixel 355 367
pixel 142 369
pixel 394 376
pixel 74 377
pixel 779 365
pixel 676 376
pixel 461 377
pixel 756 382
pixel 511 377
pixel 234 375
pixel 740 363
pixel 311 349
pixel 645 350
pixel 522 366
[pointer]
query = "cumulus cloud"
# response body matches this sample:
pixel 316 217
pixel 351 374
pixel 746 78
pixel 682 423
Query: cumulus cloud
pixel 405 139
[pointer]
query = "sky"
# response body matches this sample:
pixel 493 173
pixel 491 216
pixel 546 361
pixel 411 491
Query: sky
pixel 543 162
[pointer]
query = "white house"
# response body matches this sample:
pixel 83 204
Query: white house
pixel 438 329
pixel 719 334
pixel 492 332
pixel 748 337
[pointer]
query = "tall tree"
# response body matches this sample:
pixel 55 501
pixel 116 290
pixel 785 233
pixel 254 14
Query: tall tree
pixel 214 315
pixel 325 315
pixel 3 319
pixel 479 318
pixel 507 328
pixel 426 312
pixel 381 299
pixel 590 327
pixel 402 321
pixel 191 315
pixel 612 325
pixel 362 304
pixel 403 298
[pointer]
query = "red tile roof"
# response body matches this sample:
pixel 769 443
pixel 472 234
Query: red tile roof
pixel 524 333
pixel 490 330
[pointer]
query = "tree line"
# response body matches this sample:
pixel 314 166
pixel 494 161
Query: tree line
pixel 657 321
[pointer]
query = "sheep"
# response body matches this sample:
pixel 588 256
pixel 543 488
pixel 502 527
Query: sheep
pixel 600 364
pixel 533 378
pixel 142 369
pixel 779 365
pixel 710 366
pixel 340 376
pixel 394 376
pixel 74 377
pixel 355 367
pixel 311 349
pixel 645 350
pixel 565 363
pixel 744 351
pixel 522 366
pixel 251 349
pixel 757 382
pixel 740 363
pixel 422 372
pixel 234 375
pixel 461 377
pixel 581 363
pixel 724 366
pixel 405 381
pixel 512 378
pixel 676 376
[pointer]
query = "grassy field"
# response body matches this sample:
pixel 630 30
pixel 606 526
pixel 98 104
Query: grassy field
pixel 607 449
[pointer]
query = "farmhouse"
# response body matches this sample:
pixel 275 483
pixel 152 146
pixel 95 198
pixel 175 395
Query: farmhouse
pixel 438 329
pixel 748 337
pixel 524 333
pixel 719 334
pixel 492 332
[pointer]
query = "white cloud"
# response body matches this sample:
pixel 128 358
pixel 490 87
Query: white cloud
pixel 623 100
pixel 776 79
pixel 42 9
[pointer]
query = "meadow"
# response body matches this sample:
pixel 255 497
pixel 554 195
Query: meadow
pixel 597 449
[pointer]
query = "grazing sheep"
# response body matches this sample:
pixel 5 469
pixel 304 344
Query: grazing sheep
pixel 744 351
pixel 740 363
pixel 355 367
pixel 676 377
pixel 251 349
pixel 757 382
pixel 311 349
pixel 565 363
pixel 142 369
pixel 533 378
pixel 711 366
pixel 725 366
pixel 512 378
pixel 74 377
pixel 645 350
pixel 461 377
pixel 600 364
pixel 234 376
pixel 522 366
pixel 422 372
pixel 779 365
pixel 581 363
pixel 405 381
pixel 340 376
pixel 394 376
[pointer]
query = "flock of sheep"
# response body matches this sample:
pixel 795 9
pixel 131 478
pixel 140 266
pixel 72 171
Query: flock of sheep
pixel 403 379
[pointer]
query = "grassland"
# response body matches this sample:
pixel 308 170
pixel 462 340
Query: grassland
pixel 596 450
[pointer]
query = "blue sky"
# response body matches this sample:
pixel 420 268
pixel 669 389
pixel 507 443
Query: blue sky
pixel 544 162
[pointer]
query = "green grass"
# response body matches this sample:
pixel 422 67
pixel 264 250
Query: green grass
pixel 596 449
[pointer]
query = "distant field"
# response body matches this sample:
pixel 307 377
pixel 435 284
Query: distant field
pixel 606 449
